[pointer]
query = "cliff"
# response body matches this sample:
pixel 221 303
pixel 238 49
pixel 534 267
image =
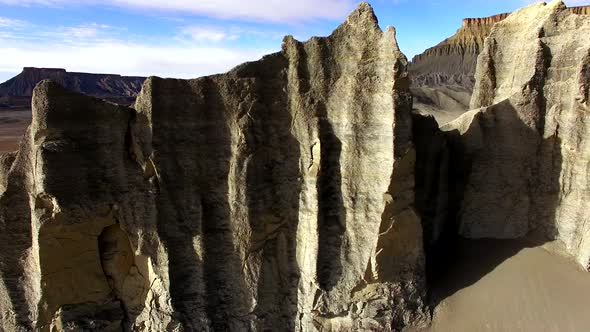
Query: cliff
pixel 301 193
pixel 524 147
pixel 278 196
pixel 98 85
pixel 454 59
pixel 443 76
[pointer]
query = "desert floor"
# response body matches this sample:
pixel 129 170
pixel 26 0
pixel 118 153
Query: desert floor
pixel 13 124
pixel 497 285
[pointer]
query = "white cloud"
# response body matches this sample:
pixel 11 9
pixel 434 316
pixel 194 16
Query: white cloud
pixel 83 31
pixel 99 48
pixel 208 34
pixel 265 10
pixel 127 59
pixel 6 22
pixel 89 32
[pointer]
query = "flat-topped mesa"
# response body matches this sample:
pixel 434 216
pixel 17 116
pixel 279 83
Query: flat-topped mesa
pixel 275 197
pixel 114 87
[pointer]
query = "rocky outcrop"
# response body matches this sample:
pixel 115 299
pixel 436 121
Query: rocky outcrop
pixel 443 76
pixel 278 196
pixel 118 88
pixel 525 146
pixel 453 60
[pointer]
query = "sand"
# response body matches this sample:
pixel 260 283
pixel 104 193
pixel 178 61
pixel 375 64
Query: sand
pixel 501 286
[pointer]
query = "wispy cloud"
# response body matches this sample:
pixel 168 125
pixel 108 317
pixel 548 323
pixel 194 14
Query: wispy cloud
pixel 6 22
pixel 263 10
pixel 208 34
pixel 90 30
pixel 128 59
pixel 95 47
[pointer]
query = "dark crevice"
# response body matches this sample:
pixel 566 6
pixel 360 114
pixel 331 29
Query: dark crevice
pixel 331 212
pixel 206 279
pixel 448 164
pixel 271 158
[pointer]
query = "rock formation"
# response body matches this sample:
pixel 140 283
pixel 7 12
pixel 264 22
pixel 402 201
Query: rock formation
pixel 278 196
pixel 295 193
pixel 443 76
pixel 453 60
pixel 118 88
pixel 524 148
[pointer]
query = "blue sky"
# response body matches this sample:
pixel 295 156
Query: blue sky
pixel 191 38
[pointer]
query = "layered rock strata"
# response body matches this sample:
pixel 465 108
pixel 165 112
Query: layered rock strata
pixel 524 147
pixel 453 61
pixel 278 196
pixel 443 76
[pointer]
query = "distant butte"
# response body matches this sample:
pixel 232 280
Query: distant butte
pixel 106 86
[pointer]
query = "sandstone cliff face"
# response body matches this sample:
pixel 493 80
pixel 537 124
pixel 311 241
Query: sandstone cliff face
pixel 443 76
pixel 278 196
pixel 453 60
pixel 525 147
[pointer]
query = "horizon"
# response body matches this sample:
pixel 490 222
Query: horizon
pixel 182 39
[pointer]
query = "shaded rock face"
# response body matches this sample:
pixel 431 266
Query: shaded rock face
pixel 443 77
pixel 122 89
pixel 278 196
pixel 525 144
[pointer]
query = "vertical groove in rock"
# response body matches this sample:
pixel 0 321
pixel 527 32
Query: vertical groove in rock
pixel 331 213
pixel 259 199
pixel 17 267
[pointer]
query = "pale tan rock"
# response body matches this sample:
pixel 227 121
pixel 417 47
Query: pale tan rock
pixel 443 76
pixel 526 148
pixel 6 161
pixel 278 196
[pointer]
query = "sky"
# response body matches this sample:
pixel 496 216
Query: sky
pixel 192 38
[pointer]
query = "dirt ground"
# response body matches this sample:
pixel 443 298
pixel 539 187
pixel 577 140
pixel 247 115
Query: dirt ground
pixel 499 286
pixel 13 124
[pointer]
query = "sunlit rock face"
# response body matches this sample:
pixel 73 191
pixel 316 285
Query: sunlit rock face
pixel 443 76
pixel 278 196
pixel 525 148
